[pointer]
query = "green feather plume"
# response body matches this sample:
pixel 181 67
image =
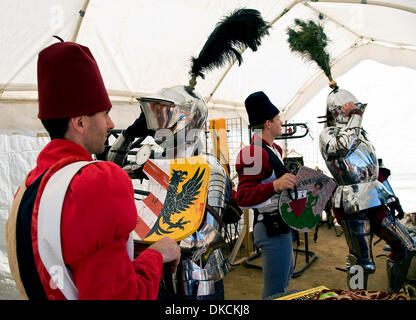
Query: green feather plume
pixel 308 40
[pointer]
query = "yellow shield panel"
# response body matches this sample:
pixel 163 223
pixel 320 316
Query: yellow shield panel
pixel 176 204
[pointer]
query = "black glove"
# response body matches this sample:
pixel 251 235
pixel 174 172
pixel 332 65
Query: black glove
pixel 139 174
pixel 396 208
pixel 138 129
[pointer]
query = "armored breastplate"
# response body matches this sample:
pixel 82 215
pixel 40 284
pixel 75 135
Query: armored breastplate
pixel 359 165
pixel 352 161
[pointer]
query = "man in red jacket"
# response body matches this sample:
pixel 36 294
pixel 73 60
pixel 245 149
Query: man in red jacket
pixel 83 249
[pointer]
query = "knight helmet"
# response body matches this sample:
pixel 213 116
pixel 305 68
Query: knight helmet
pixel 336 98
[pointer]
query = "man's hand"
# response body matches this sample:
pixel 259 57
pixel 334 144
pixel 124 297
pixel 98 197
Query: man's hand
pixel 287 181
pixel 170 251
pixel 348 107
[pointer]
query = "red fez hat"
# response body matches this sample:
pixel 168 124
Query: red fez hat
pixel 69 82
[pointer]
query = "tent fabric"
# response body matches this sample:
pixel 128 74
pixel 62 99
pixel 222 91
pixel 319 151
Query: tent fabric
pixel 143 46
pixel 18 153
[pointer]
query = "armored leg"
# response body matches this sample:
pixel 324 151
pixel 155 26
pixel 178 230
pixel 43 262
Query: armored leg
pixel 359 237
pixel 397 272
pixel 396 234
pixel 391 230
pixel 357 276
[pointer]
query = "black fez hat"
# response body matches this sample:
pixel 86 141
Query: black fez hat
pixel 259 108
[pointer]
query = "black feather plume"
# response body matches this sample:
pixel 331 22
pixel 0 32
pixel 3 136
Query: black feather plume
pixel 309 40
pixel 241 29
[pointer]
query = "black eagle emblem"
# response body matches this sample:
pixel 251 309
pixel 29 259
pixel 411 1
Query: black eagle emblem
pixel 175 202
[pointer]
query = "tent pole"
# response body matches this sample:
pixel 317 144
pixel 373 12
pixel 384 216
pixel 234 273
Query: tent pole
pixel 285 10
pixel 371 2
pixel 306 4
pixel 80 18
pixel 242 51
pixel 315 76
pixel 221 79
pixel 359 43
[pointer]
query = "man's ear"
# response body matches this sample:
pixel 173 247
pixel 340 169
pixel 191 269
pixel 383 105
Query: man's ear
pixel 267 124
pixel 77 123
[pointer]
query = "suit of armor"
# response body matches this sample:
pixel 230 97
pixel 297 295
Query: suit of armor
pixel 361 202
pixel 175 116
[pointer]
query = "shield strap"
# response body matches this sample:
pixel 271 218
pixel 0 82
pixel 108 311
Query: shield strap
pixel 274 223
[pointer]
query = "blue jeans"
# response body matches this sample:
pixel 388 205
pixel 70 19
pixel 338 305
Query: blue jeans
pixel 277 259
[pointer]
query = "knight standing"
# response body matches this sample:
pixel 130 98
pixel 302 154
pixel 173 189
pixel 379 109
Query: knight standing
pixel 174 117
pixel 361 203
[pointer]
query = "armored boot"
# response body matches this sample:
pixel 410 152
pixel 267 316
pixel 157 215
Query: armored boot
pixel 360 263
pixel 394 231
pixel 357 275
pixel 397 272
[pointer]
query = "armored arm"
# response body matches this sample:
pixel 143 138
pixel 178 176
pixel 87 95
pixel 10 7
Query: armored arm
pixel 120 148
pixel 208 238
pixel 337 142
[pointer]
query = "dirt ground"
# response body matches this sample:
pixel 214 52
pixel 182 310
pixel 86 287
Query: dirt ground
pixel 246 283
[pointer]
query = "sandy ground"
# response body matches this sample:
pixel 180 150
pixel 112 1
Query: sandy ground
pixel 246 283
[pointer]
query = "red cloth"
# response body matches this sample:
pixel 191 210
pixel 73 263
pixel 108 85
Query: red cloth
pixel 337 294
pixel 69 82
pixel 250 190
pixel 97 217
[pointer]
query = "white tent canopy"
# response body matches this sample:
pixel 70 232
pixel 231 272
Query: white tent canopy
pixel 143 46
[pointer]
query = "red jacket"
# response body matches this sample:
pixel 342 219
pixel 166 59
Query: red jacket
pixel 97 217
pixel 250 190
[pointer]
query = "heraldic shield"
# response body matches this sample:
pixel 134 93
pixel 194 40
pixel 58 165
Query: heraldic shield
pixel 175 206
pixel 301 209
